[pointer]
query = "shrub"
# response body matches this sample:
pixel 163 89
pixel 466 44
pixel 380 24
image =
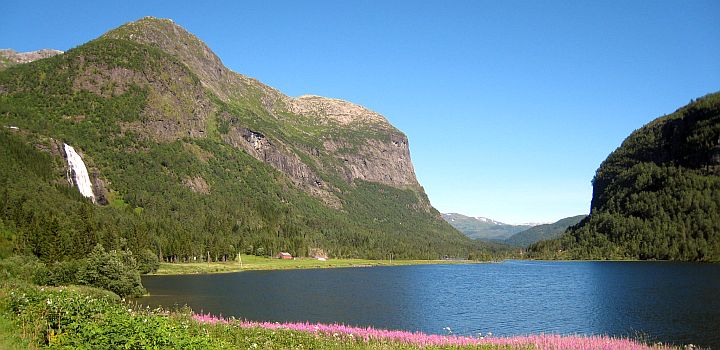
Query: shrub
pixel 64 272
pixel 115 271
pixel 23 267
pixel 147 261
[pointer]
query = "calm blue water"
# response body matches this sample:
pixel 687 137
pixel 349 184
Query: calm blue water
pixel 668 302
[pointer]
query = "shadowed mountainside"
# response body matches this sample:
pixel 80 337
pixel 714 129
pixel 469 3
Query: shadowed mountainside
pixel 657 196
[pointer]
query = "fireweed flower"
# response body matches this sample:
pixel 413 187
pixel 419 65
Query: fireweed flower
pixel 541 341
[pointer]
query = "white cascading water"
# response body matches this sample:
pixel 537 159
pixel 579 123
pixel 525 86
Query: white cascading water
pixel 77 173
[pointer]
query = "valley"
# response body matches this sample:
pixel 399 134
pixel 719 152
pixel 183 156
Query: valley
pixel 151 197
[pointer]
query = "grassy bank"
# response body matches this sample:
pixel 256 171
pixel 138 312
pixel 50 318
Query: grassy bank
pixel 10 338
pixel 89 318
pixel 251 262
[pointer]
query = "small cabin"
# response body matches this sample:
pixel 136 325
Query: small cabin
pixel 284 255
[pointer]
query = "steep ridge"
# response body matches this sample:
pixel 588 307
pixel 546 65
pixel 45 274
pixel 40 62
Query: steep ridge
pixel 198 160
pixel 657 196
pixel 338 137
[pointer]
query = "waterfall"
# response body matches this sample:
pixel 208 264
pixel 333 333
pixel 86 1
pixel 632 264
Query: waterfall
pixel 77 173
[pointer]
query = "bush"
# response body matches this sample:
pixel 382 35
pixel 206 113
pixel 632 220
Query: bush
pixel 116 271
pixel 23 267
pixel 147 261
pixel 64 272
pixel 89 318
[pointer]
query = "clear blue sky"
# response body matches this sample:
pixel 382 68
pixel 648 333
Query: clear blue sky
pixel 510 106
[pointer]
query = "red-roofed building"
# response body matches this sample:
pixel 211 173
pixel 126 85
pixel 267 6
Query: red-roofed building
pixel 283 255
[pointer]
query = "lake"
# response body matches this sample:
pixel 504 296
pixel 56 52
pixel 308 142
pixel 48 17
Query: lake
pixel 661 301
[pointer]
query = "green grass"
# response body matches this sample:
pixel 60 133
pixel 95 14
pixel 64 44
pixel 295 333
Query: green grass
pixel 251 262
pixel 10 338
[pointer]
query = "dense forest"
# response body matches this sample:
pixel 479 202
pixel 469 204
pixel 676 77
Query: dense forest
pixel 657 196
pixel 243 205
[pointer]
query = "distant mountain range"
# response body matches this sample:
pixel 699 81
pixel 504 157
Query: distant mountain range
pixel 541 232
pixel 10 57
pixel 485 229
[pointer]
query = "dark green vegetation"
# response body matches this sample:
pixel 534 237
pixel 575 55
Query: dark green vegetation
pixel 483 228
pixel 160 134
pixel 657 196
pixel 88 318
pixel 542 232
pixel 117 271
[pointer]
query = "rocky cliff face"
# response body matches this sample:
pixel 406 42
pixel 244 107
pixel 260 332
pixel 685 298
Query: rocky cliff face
pixel 352 142
pixel 195 158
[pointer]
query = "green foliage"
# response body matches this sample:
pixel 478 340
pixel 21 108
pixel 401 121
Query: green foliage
pixel 147 261
pixel 88 318
pixel 657 196
pixel 115 271
pixel 90 97
pixel 25 268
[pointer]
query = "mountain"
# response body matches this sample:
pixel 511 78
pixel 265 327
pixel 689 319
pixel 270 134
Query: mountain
pixel 187 159
pixel 542 232
pixel 655 197
pixel 9 57
pixel 483 228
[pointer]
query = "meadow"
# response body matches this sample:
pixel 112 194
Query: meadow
pixel 252 262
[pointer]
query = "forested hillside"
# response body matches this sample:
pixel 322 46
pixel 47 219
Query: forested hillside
pixel 193 160
pixel 657 196
pixel 542 232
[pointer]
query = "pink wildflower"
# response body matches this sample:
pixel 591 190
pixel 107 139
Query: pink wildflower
pixel 541 341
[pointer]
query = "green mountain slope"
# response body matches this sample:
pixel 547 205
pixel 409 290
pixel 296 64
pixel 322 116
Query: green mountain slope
pixel 657 196
pixel 188 158
pixel 483 229
pixel 542 232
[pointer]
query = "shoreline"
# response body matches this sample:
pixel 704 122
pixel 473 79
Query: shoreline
pixel 255 263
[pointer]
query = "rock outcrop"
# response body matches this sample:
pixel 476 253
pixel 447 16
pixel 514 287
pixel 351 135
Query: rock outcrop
pixel 10 57
pixel 355 142
pixel 196 158
pixel 332 109
pixel 377 161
